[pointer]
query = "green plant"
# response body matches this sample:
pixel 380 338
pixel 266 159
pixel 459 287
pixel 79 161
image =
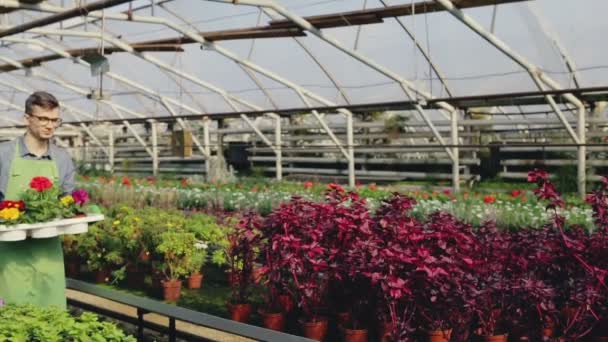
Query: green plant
pixel 25 323
pixel 42 201
pixel 206 229
pixel 198 259
pixel 177 249
pixel 100 247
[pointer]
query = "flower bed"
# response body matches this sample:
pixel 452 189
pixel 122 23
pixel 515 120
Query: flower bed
pixel 513 209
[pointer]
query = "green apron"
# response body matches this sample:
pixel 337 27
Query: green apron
pixel 31 271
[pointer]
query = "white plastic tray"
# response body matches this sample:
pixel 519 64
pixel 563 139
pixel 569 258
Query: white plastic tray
pixel 49 229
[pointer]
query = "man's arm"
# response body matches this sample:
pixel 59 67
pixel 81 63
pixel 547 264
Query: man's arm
pixel 68 181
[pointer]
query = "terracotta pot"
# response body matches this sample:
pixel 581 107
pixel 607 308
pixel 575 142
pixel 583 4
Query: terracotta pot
pixel 172 290
pixel 355 335
pixel 495 338
pixel 240 312
pixel 72 268
pixel 316 330
pixel 102 276
pixel 547 332
pixel 286 303
pixel 385 331
pixel 273 321
pixel 195 281
pixel 342 319
pixel 439 335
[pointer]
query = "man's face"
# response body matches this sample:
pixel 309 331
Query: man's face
pixel 42 122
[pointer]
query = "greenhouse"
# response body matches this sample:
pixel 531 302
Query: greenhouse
pixel 303 170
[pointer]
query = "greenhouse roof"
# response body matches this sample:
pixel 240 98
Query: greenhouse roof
pixel 117 59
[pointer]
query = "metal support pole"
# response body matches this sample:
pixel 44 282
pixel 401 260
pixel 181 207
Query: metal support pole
pixel 206 145
pixel 172 333
pixel 277 148
pixel 111 149
pixel 582 153
pixel 154 132
pixel 455 151
pixel 140 324
pixel 350 148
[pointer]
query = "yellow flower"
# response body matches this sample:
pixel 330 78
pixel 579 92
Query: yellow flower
pixel 67 200
pixel 116 223
pixel 9 214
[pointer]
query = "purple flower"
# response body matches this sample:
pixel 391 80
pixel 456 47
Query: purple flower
pixel 80 196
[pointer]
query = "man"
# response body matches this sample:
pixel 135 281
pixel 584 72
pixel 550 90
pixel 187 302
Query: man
pixel 31 271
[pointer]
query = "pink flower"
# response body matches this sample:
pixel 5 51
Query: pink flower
pixel 81 197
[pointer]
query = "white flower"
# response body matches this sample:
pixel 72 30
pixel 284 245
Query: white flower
pixel 200 245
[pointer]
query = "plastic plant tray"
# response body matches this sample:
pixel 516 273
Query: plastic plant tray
pixel 43 230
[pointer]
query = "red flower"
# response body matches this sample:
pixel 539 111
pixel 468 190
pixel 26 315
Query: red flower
pixel 308 185
pixel 334 186
pixel 358 184
pixel 489 199
pixel 184 182
pixel 12 204
pixel 447 192
pixel 373 187
pixel 126 181
pixel 85 177
pixel 41 183
pixel 516 193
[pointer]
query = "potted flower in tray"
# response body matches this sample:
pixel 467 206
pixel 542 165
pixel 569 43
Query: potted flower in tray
pixel 177 249
pixel 74 204
pixel 11 212
pixel 243 247
pixel 42 201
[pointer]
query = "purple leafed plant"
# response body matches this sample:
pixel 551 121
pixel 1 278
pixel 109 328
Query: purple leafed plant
pixel 243 245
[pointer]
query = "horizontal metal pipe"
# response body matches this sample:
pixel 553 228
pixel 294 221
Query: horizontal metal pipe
pixel 69 14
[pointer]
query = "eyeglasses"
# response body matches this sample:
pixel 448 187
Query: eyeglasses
pixel 44 120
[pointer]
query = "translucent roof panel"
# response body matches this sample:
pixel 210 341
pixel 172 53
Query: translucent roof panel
pixel 434 53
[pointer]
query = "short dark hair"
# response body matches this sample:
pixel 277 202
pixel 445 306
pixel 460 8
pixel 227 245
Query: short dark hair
pixel 41 99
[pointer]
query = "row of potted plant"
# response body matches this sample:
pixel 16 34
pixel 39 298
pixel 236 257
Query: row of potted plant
pixel 135 244
pixel 438 276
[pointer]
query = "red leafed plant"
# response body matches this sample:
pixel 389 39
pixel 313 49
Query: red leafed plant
pixel 570 268
pixel 297 248
pixel 243 246
pixel 445 279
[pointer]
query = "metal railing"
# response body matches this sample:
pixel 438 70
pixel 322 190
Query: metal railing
pixel 174 313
